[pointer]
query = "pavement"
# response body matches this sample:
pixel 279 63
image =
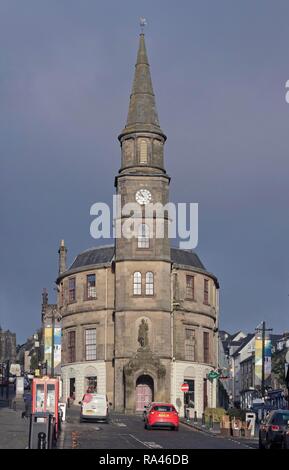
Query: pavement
pixel 249 442
pixel 14 430
pixel 127 432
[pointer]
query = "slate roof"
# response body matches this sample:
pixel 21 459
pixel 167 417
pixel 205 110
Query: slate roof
pixel 243 343
pixel 187 258
pixel 99 255
pixel 105 254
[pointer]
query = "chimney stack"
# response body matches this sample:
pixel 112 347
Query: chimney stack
pixel 62 257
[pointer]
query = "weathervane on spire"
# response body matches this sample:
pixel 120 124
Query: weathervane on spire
pixel 143 23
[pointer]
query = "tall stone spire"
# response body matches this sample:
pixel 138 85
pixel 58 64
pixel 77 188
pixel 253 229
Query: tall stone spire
pixel 142 113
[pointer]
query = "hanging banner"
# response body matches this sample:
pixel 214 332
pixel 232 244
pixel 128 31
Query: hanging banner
pixel 57 350
pixel 48 346
pixel 268 354
pixel 258 359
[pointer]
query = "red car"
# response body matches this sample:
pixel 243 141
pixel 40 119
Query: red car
pixel 162 415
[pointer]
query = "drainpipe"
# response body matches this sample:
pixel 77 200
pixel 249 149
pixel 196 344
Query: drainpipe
pixel 105 325
pixel 173 364
pixel 172 340
pixel 217 342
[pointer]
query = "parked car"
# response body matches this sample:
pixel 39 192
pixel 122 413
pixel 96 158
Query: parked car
pixel 94 406
pixel 272 429
pixel 162 415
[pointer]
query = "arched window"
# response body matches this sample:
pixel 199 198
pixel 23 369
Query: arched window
pixel 149 283
pixel 143 239
pixel 137 283
pixel 143 155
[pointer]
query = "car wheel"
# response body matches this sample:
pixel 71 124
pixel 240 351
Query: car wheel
pixel 261 445
pixel 176 428
pixel 148 427
pixel 268 444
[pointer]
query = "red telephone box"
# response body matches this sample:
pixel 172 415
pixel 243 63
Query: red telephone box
pixel 45 397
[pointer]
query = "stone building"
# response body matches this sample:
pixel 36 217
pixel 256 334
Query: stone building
pixel 7 346
pixel 139 317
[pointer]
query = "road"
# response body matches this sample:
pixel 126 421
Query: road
pixel 127 432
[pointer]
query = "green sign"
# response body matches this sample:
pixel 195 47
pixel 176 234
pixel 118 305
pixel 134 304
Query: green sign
pixel 213 375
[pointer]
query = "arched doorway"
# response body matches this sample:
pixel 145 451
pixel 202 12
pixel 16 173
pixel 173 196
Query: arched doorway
pixel 144 392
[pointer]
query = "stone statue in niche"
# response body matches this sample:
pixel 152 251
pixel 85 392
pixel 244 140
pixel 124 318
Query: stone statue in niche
pixel 143 334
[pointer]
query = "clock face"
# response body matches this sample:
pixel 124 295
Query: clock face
pixel 143 196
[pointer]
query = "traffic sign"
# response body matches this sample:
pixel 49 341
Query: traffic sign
pixel 185 387
pixel 213 374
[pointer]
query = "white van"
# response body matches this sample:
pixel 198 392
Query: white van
pixel 94 406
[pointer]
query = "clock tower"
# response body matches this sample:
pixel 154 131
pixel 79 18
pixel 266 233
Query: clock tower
pixel 142 262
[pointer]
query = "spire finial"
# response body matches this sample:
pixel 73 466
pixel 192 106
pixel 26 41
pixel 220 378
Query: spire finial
pixel 143 23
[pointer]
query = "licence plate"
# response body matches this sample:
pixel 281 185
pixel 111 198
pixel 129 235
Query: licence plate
pixel 88 412
pixel 164 415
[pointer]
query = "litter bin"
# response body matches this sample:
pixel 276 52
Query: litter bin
pixel 41 431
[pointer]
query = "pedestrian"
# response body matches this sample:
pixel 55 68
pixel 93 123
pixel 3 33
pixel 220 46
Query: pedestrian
pixel 27 404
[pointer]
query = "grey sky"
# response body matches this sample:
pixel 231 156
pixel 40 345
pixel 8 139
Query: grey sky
pixel 219 71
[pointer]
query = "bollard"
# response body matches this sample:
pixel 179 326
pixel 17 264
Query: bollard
pixel 195 417
pixel 211 422
pixel 14 405
pixel 68 402
pixel 203 419
pixel 41 440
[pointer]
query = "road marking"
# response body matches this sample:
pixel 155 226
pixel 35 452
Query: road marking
pixel 241 443
pixel 153 445
pixel 121 425
pixel 150 445
pixel 141 442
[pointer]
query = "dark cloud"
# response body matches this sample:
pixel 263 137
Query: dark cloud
pixel 219 71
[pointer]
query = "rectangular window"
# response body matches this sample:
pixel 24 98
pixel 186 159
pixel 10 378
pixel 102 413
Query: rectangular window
pixel 206 291
pixel 143 240
pixel 190 344
pixel 90 287
pixel 71 289
pixel 143 152
pixel 206 348
pixel 90 344
pixel 189 397
pixel 190 287
pixel 71 346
